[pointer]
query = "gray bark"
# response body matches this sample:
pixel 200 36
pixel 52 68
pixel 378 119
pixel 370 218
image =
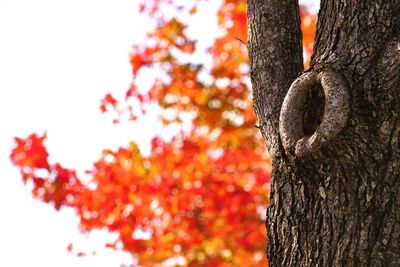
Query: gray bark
pixel 339 204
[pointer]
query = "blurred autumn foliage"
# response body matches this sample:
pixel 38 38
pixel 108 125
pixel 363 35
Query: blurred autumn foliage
pixel 199 198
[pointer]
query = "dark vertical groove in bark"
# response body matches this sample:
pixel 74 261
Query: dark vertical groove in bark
pixel 339 206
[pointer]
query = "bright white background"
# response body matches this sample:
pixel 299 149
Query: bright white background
pixel 57 60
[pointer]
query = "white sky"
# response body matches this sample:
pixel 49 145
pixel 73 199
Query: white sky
pixel 58 58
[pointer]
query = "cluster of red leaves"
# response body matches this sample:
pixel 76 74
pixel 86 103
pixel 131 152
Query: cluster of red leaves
pixel 51 182
pixel 199 197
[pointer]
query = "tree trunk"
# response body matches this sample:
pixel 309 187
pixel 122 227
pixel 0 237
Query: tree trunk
pixel 335 194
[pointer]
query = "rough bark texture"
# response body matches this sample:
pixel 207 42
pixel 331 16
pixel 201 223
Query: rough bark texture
pixel 340 205
pixel 275 37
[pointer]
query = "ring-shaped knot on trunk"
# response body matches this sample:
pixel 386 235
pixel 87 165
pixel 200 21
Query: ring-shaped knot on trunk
pixel 335 116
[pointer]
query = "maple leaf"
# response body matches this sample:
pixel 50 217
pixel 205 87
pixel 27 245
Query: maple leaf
pixel 30 152
pixel 108 100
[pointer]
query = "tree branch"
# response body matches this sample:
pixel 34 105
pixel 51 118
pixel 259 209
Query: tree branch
pixel 276 59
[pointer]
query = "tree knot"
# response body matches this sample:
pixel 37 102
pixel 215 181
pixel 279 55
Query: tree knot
pixel 302 110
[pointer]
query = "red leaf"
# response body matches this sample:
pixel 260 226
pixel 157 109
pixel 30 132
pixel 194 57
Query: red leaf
pixel 108 100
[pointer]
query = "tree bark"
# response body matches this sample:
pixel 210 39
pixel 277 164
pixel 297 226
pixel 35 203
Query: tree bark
pixel 339 203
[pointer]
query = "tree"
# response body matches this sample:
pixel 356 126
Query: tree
pixel 198 198
pixel 335 194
